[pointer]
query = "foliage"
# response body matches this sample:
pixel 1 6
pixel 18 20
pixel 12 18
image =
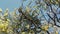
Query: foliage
pixel 37 17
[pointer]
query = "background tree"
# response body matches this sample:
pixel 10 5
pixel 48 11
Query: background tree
pixel 43 8
pixel 32 17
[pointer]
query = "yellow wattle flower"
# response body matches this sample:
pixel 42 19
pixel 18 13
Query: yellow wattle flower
pixel 8 20
pixel 6 14
pixel 2 17
pixel 2 25
pixel 56 32
pixel 3 29
pixel 23 32
pixel 42 27
pixel 0 10
pixel 45 27
pixel 56 2
pixel 27 26
pixel 28 9
pixel 0 20
pixel 6 24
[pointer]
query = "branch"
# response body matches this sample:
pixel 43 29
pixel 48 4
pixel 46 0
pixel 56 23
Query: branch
pixel 35 22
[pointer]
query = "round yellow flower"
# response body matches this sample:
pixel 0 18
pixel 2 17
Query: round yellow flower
pixel 23 32
pixel 45 27
pixel 27 26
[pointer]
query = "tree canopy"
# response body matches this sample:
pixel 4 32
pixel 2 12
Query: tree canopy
pixel 32 17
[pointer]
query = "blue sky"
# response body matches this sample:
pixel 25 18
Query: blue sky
pixel 10 4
